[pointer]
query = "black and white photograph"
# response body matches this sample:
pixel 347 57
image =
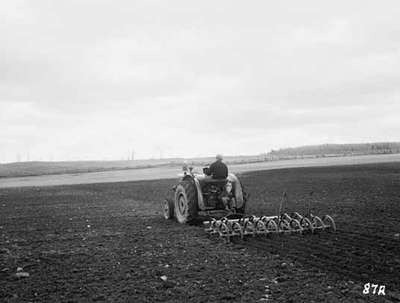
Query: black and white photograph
pixel 199 151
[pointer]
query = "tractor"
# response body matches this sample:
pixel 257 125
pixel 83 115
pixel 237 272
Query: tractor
pixel 221 204
pixel 199 196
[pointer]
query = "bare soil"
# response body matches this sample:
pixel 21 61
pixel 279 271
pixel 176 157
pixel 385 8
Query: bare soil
pixel 108 242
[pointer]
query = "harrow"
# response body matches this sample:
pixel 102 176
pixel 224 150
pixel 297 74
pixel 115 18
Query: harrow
pixel 282 223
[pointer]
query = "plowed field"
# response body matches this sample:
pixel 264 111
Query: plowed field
pixel 109 243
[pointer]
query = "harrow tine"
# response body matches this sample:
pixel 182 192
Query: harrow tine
pixel 272 227
pixel 284 227
pixel 317 223
pixel 286 217
pixel 260 227
pixel 249 228
pixel 224 231
pixel 297 216
pixel 237 229
pixel 306 224
pixel 329 223
pixel 295 224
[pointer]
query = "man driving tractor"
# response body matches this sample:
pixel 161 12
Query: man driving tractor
pixel 218 169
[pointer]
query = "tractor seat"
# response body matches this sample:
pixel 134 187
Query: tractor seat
pixel 217 182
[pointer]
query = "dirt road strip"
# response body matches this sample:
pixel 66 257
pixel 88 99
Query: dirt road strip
pixel 172 172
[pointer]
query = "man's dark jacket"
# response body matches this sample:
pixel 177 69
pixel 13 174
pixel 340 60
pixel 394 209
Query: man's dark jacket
pixel 218 170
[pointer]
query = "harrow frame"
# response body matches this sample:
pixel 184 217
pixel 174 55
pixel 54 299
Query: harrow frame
pixel 283 223
pixel 268 225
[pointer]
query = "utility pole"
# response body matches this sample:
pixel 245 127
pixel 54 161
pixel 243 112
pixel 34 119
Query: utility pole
pixel 160 150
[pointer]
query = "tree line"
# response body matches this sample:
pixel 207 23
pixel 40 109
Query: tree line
pixel 330 150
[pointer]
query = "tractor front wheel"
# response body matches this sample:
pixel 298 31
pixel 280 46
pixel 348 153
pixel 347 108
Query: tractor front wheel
pixel 168 209
pixel 185 202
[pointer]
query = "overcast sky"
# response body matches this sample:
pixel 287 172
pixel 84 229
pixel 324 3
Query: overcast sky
pixel 96 79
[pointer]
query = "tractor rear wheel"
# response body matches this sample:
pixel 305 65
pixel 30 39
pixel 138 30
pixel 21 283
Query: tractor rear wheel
pixel 185 202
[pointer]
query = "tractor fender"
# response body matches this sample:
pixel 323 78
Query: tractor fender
pixel 238 192
pixel 200 201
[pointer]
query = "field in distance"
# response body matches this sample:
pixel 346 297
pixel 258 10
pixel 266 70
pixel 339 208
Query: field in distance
pixel 78 173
